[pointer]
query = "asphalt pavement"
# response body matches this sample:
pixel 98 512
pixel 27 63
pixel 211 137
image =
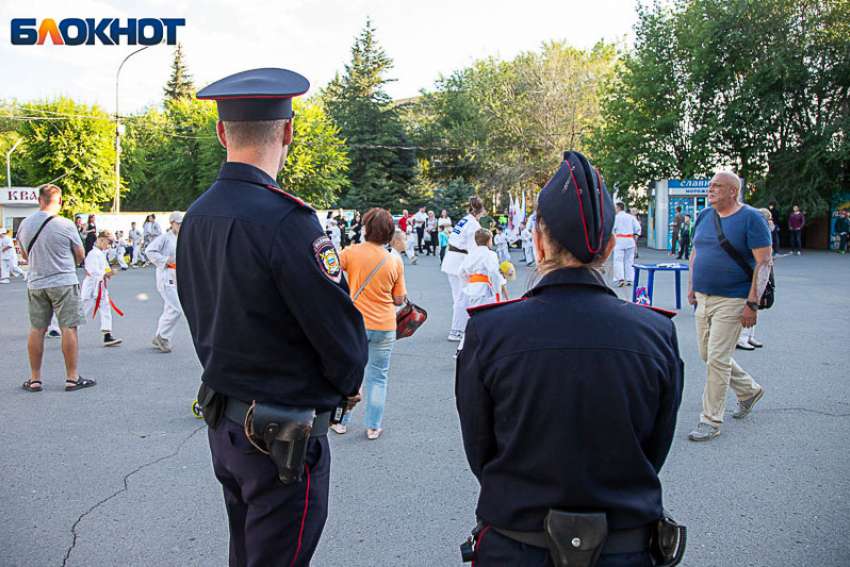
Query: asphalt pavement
pixel 120 474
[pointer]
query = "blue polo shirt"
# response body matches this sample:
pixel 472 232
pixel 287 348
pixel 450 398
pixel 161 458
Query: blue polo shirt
pixel 714 272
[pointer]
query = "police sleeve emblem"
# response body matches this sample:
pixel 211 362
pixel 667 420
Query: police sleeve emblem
pixel 327 258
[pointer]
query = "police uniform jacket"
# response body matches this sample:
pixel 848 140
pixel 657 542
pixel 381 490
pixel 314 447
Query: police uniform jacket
pixel 568 400
pixel 257 277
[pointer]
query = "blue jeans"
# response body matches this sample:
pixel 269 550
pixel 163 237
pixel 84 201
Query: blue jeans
pixel 375 379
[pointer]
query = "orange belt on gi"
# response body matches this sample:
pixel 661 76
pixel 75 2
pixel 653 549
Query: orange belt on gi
pixel 624 235
pixel 481 278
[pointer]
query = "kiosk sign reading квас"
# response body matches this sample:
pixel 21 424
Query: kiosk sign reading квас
pixel 88 31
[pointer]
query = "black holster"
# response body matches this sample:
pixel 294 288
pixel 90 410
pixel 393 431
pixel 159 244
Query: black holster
pixel 668 542
pixel 282 432
pixel 575 538
pixel 212 404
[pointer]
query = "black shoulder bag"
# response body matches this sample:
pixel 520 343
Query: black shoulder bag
pixel 34 238
pixel 767 298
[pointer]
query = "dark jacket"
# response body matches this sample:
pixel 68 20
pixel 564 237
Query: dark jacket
pixel 568 399
pixel 265 297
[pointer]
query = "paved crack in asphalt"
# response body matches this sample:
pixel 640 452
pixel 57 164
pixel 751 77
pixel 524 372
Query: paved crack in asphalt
pixel 125 488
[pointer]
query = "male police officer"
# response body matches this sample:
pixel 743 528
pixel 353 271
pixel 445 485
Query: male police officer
pixel 566 425
pixel 273 366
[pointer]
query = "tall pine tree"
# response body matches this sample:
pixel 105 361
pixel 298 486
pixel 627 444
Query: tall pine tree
pixel 381 173
pixel 180 85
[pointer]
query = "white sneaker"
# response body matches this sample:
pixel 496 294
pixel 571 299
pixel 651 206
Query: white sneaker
pixel 455 337
pixel 744 346
pixel 5 280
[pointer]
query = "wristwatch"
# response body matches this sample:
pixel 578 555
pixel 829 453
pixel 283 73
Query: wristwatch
pixel 753 305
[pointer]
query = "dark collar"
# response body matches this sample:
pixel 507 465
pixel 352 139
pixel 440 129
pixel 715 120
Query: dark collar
pixel 572 276
pixel 236 171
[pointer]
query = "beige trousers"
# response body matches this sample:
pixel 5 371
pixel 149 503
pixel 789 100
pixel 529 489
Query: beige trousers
pixel 718 327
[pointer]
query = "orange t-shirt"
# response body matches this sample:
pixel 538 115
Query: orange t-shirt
pixel 376 301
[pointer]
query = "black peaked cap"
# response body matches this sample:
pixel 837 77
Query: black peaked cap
pixel 577 208
pixel 258 94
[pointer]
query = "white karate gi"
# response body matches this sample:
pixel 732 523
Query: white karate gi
pixel 9 259
pixel 96 266
pixel 135 237
pixel 157 252
pixel 119 248
pixel 411 242
pixel 625 228
pixel 528 246
pixel 484 262
pixel 336 236
pixel 501 244
pixel 462 238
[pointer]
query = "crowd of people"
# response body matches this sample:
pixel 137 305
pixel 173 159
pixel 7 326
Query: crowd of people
pixel 276 379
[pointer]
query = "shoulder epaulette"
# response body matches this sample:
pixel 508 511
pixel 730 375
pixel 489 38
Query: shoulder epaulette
pixel 291 197
pixel 479 308
pixel 666 313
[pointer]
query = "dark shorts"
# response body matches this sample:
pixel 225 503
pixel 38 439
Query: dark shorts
pixel 63 301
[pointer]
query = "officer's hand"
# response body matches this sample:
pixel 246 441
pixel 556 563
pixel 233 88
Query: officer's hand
pixel 692 298
pixel 353 401
pixel 170 261
pixel 748 318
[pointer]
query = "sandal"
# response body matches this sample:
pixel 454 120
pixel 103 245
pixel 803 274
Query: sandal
pixel 32 386
pixel 372 434
pixel 79 384
pixel 338 428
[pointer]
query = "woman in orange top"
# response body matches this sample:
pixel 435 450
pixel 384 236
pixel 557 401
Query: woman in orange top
pixel 376 298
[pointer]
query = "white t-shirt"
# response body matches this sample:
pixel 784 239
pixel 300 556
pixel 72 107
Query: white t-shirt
pixel 444 223
pixel 420 218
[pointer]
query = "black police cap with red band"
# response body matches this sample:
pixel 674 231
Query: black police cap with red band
pixel 577 208
pixel 258 94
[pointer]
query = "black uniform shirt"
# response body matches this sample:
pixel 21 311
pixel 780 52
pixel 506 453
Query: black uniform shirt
pixel 265 297
pixel 568 400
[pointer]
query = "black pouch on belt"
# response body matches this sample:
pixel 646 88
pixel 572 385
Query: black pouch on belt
pixel 282 432
pixel 575 538
pixel 668 542
pixel 213 405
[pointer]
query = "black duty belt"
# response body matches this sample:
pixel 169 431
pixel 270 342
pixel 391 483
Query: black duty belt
pixel 622 541
pixel 453 249
pixel 237 410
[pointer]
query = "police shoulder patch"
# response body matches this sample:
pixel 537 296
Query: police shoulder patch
pixel 327 258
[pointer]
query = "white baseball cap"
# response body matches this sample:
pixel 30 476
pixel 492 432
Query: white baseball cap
pixel 176 216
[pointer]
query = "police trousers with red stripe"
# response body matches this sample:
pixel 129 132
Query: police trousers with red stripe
pixel 495 550
pixel 271 523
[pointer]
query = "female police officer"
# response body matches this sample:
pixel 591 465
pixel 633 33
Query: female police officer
pixel 567 424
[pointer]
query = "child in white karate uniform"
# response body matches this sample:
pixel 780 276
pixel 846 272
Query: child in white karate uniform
pixel 501 242
pixel 8 258
pixel 336 235
pixel 162 252
pixel 527 244
pixel 411 244
pixel 482 276
pixel 94 293
pixel 119 249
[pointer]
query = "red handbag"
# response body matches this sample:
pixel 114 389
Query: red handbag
pixel 408 319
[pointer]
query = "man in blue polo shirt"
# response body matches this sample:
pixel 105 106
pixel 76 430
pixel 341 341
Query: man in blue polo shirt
pixel 726 297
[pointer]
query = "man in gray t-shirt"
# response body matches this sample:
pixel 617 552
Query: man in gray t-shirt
pixel 53 248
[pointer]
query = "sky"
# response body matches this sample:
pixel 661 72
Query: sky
pixel 314 37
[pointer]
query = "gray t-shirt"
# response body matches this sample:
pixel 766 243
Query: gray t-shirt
pixel 51 260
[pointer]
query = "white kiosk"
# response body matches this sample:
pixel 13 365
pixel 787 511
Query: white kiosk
pixel 16 204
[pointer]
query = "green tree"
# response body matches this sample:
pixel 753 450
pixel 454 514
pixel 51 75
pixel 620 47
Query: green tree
pixel 382 167
pixel 317 161
pixel 74 142
pixel 503 125
pixel 180 85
